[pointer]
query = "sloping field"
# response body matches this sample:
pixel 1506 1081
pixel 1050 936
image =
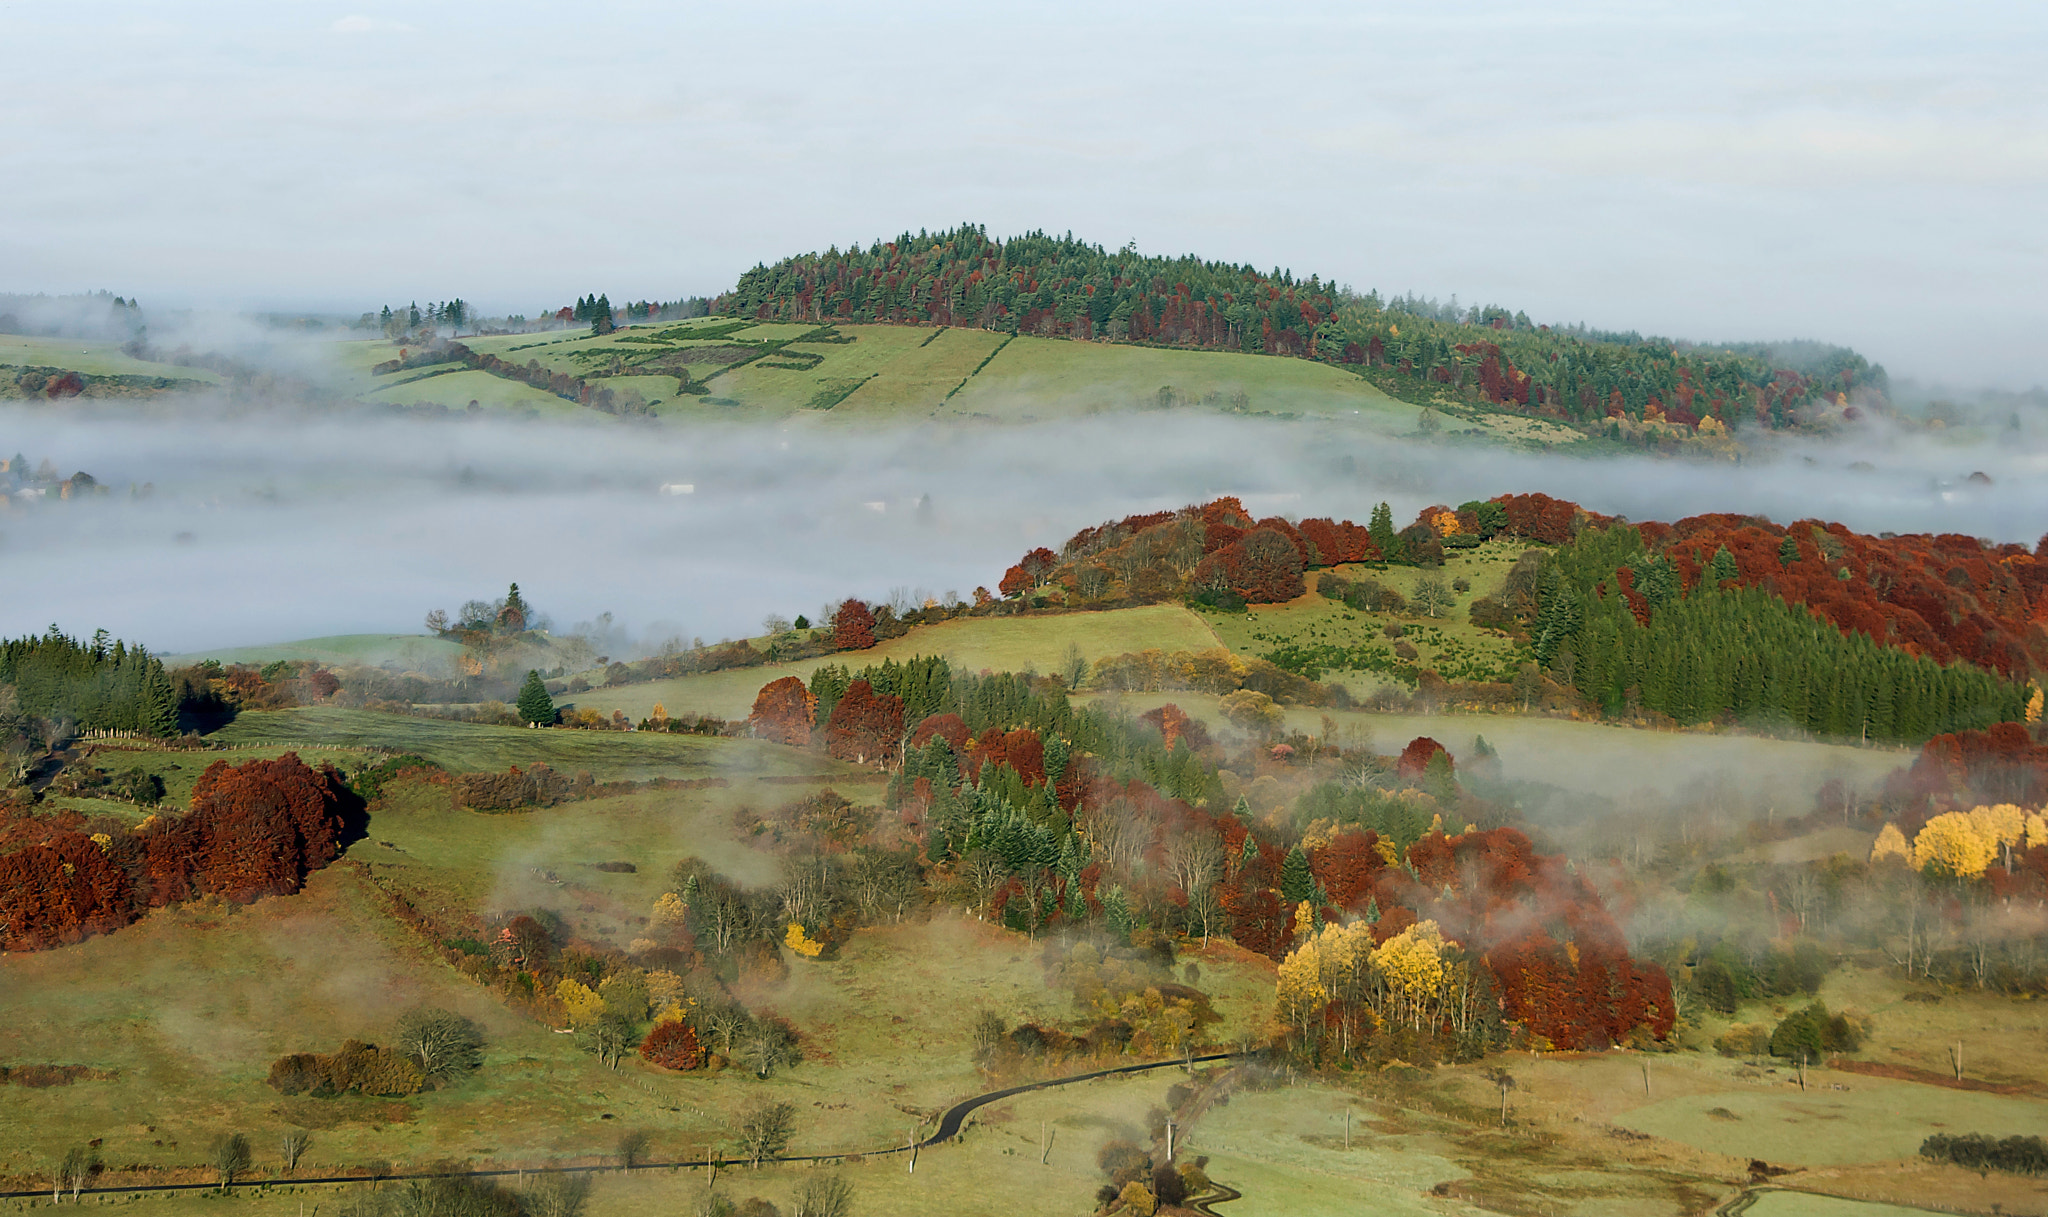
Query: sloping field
pixel 998 644
pixel 470 748
pixel 373 650
pixel 93 358
pixel 1050 377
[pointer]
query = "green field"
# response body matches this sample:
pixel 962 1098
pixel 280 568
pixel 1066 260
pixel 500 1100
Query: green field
pixel 1448 644
pixel 470 748
pixel 997 644
pixel 93 358
pixel 870 372
pixel 411 651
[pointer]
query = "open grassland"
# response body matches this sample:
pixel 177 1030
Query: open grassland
pixel 1448 644
pixel 180 768
pixel 1052 377
pixel 411 651
pixel 866 372
pixel 469 747
pixel 461 862
pixel 93 358
pixel 997 644
pixel 456 389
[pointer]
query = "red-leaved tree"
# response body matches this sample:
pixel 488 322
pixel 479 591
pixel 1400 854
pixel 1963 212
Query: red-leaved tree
pixel 853 627
pixel 865 725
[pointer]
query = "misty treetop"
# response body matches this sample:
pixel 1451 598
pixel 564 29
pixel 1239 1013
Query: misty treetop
pixel 1061 286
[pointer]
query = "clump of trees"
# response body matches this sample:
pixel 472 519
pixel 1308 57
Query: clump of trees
pixel 1977 1152
pixel 432 1049
pixel 251 830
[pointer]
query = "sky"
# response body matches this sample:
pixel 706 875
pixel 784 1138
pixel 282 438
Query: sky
pixel 1862 173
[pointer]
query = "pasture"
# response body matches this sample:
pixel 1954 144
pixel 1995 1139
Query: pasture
pixel 997 644
pixel 471 747
pixel 91 357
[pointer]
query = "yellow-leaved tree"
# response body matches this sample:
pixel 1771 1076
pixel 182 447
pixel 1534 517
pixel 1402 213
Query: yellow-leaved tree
pixel 803 944
pixel 2037 830
pixel 1412 965
pixel 669 911
pixel 581 1001
pixel 1951 845
pixel 1891 843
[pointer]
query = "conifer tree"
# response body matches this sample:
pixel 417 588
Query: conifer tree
pixel 1382 530
pixel 1297 882
pixel 1788 551
pixel 1720 570
pixel 534 704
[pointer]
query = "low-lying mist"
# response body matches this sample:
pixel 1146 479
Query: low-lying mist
pixel 272 525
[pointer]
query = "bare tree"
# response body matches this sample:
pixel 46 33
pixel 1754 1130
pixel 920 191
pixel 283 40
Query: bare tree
pixel 822 1196
pixel 557 1194
pixel 231 1157
pixel 292 1146
pixel 1433 597
pixel 1506 1082
pixel 446 1046
pixel 632 1149
pixel 78 1166
pixel 763 1130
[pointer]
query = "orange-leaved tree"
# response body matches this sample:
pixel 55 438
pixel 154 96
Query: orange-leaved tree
pixel 782 712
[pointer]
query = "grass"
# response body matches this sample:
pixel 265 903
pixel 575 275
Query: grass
pixel 471 748
pixel 1448 644
pixel 998 644
pixel 1057 377
pixel 410 651
pixel 457 389
pixel 889 370
pixel 93 358
pixel 180 769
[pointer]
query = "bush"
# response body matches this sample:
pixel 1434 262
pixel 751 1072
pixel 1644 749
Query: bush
pixel 1977 1152
pixel 673 1045
pixel 1813 1032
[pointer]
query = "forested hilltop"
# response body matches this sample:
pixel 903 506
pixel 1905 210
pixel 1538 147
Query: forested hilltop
pixel 1618 384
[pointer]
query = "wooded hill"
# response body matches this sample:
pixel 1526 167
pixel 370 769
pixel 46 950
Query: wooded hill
pixel 1715 618
pixel 1060 286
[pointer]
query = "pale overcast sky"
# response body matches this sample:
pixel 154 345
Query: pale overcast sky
pixel 1866 173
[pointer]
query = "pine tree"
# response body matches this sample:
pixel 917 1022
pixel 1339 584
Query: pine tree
pixel 1382 530
pixel 534 705
pixel 1297 882
pixel 1788 551
pixel 1720 570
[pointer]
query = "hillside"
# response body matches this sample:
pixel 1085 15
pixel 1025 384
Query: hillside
pixel 723 369
pixel 1036 284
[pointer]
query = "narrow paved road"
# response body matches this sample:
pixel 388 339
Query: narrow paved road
pixel 950 1122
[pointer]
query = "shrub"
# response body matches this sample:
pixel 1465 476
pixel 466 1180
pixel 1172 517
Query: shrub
pixel 1813 1032
pixel 672 1045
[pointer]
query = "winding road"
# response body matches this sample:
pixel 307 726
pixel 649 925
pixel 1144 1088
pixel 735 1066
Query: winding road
pixel 950 1122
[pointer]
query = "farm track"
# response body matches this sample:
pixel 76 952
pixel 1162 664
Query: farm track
pixel 950 1123
pixel 1202 1206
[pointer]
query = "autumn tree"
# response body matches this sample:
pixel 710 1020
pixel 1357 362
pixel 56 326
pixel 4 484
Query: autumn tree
pixel 853 626
pixel 865 726
pixel 782 712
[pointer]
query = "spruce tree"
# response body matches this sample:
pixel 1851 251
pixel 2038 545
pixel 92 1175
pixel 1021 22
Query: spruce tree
pixel 1297 882
pixel 1788 551
pixel 1721 569
pixel 534 705
pixel 1382 530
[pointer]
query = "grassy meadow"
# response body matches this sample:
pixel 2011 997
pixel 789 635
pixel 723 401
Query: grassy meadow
pixel 862 373
pixel 998 644
pixel 91 357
